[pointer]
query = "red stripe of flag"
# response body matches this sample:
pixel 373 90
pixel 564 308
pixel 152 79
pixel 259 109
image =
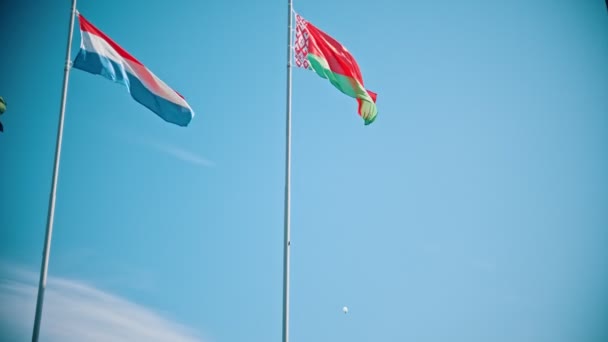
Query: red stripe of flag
pixel 86 26
pixel 339 59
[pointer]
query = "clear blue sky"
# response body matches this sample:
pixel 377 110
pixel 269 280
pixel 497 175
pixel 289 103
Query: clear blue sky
pixel 475 208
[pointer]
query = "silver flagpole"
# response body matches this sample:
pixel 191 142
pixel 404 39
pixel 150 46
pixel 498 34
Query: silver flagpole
pixel 51 212
pixel 286 240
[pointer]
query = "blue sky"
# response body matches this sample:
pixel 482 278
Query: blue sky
pixel 474 208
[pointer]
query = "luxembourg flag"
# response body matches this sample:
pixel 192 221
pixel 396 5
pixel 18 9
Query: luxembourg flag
pixel 100 55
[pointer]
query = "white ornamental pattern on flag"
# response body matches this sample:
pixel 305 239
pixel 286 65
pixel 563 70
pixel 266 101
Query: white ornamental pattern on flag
pixel 301 44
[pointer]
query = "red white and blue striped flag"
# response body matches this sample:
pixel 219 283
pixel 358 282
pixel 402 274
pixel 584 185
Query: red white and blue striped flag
pixel 100 55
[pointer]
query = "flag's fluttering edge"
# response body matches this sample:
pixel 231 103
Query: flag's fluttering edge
pixel 100 55
pixel 316 50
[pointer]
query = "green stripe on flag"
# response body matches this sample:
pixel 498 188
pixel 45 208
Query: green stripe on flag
pixel 346 85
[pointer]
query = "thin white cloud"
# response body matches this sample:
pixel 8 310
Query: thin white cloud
pixel 184 155
pixel 75 311
pixel 171 150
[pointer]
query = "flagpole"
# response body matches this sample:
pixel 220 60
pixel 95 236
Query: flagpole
pixel 287 216
pixel 53 195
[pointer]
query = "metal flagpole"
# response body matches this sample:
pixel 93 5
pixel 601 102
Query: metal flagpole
pixel 52 199
pixel 286 240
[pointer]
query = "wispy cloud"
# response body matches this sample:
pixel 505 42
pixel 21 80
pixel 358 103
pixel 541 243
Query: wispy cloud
pixel 169 149
pixel 75 311
pixel 182 154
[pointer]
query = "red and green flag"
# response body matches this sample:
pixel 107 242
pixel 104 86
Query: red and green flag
pixel 316 50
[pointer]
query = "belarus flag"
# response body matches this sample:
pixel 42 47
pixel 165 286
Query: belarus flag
pixel 100 55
